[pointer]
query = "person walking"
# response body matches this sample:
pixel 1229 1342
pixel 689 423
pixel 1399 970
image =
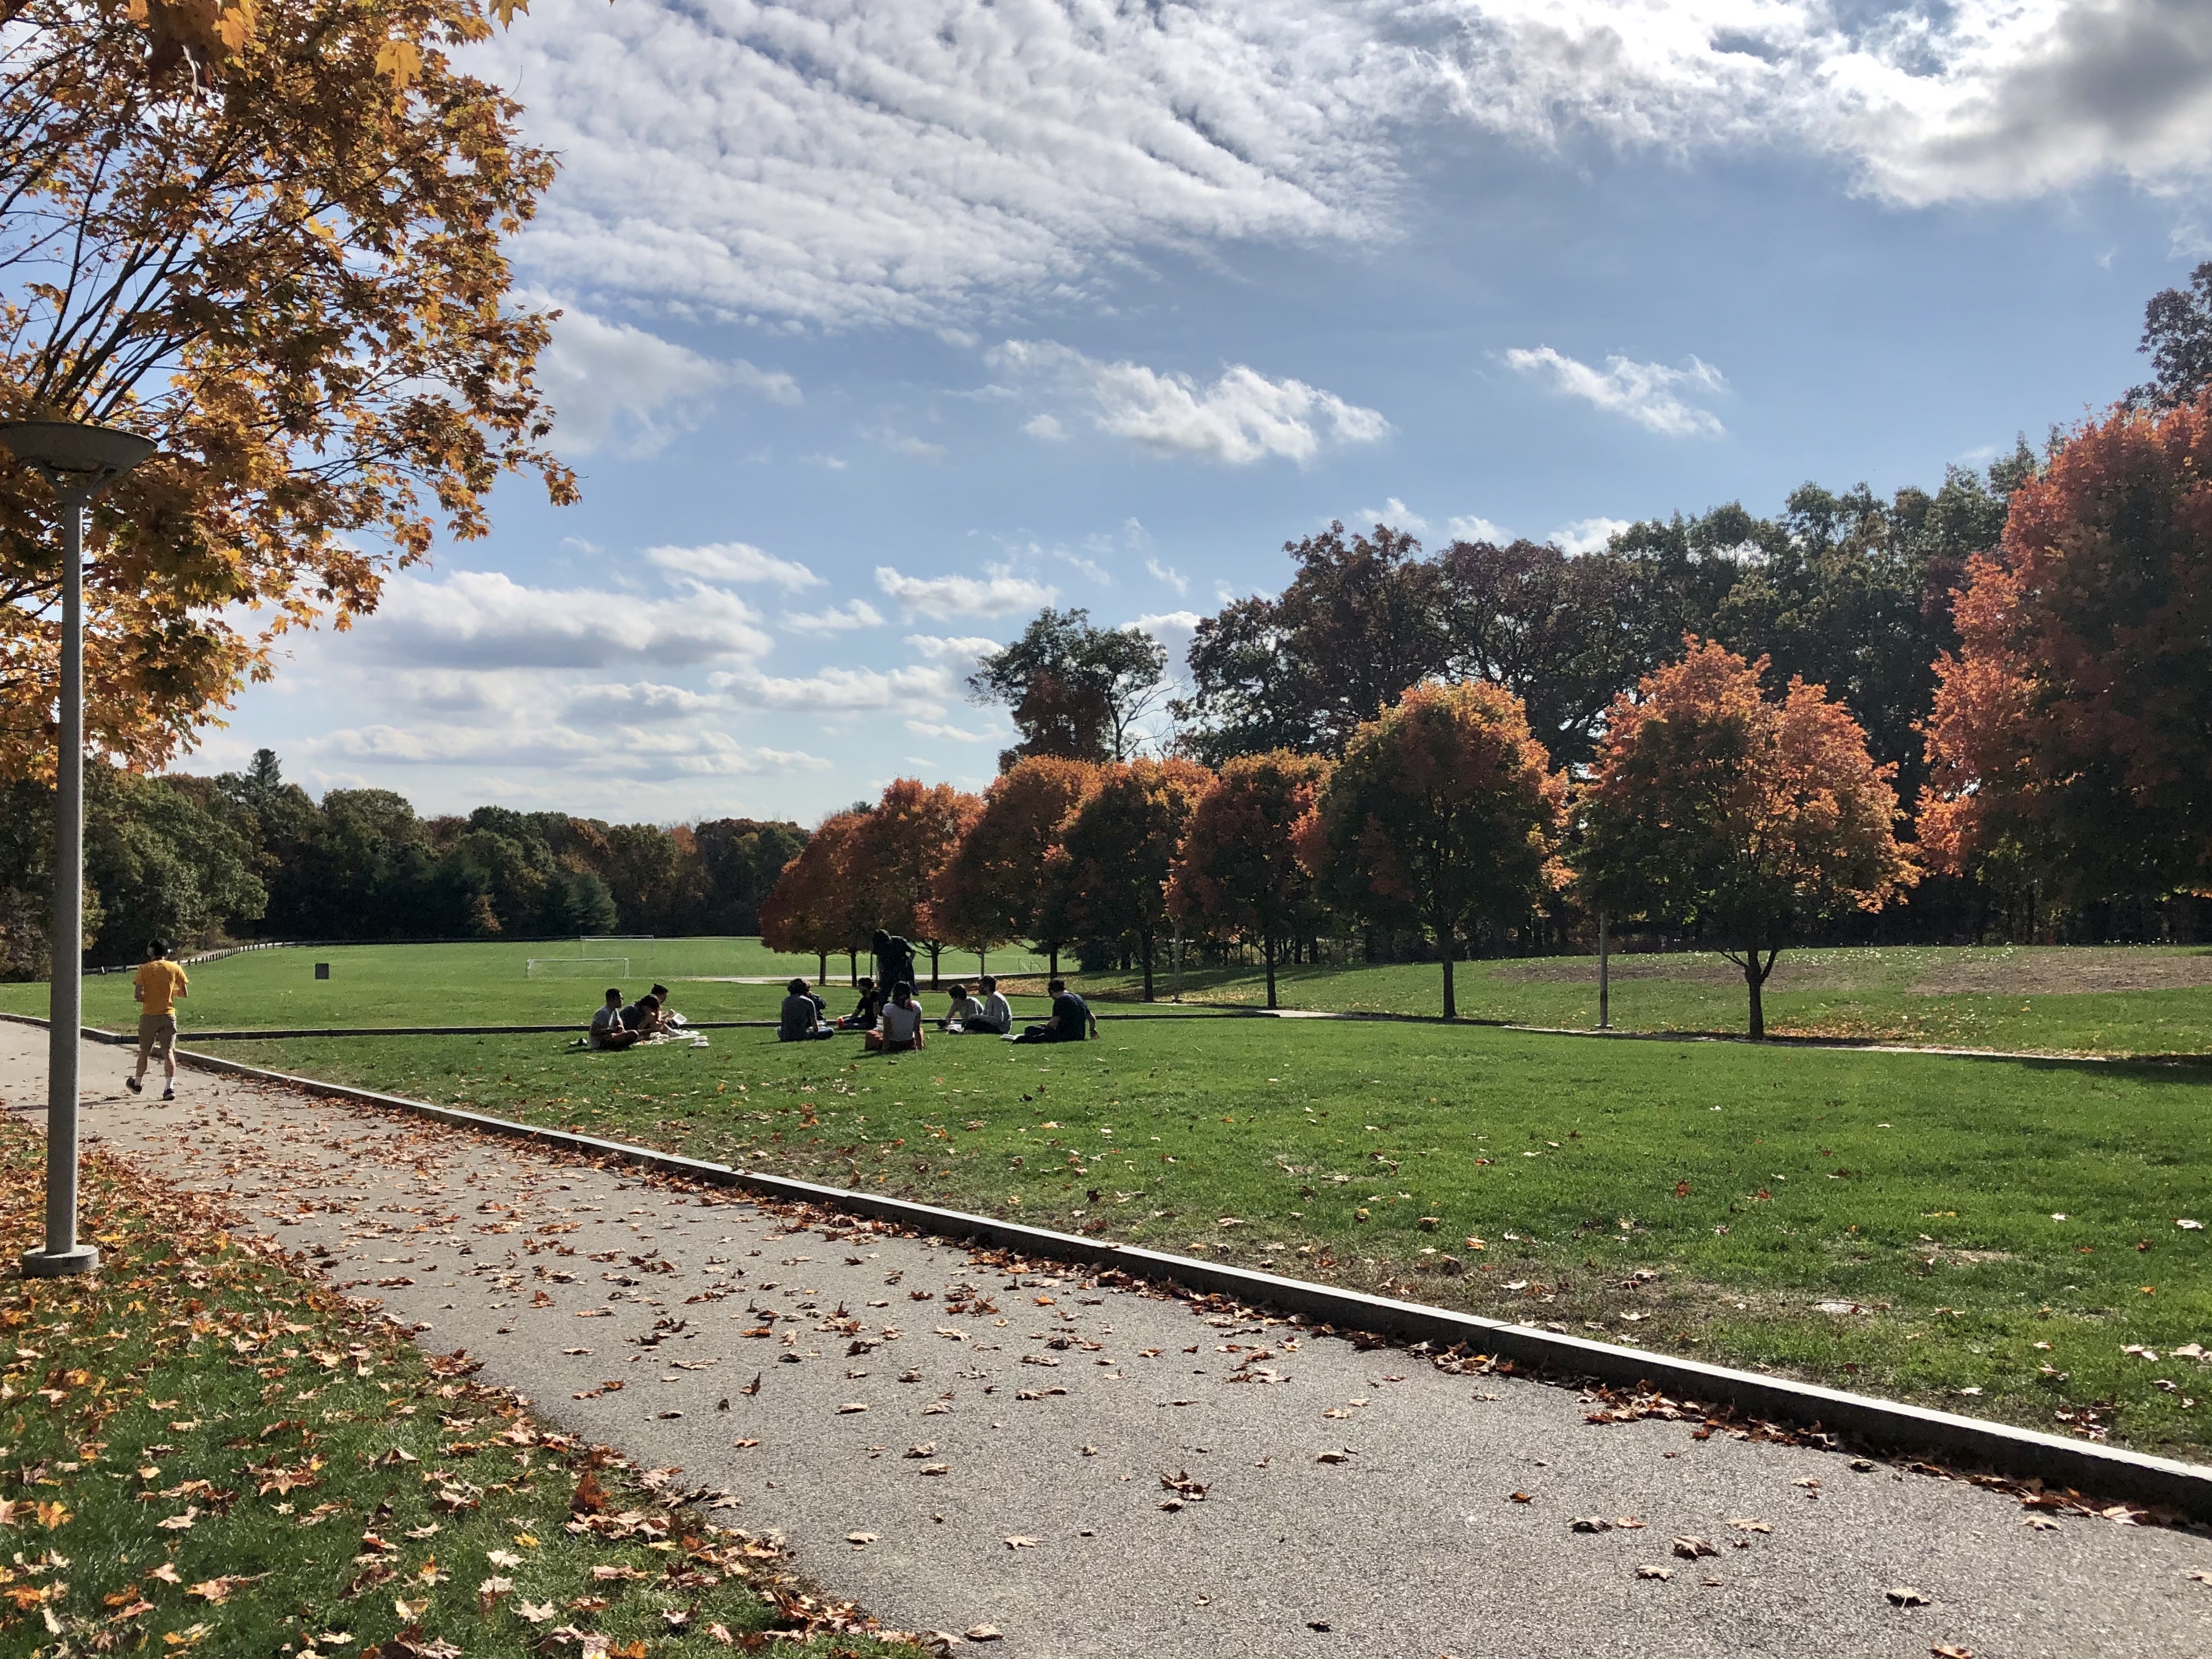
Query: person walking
pixel 159 985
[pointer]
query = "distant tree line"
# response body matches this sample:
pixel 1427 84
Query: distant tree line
pixel 247 854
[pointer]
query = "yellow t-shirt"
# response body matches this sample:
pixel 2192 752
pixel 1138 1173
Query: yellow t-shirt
pixel 159 984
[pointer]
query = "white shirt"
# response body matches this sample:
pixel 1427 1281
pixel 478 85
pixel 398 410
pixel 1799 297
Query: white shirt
pixel 998 1011
pixel 899 1025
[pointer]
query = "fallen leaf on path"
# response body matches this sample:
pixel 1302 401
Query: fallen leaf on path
pixel 1344 1456
pixel 981 1633
pixel 849 1407
pixel 1654 1572
pixel 1018 1541
pixel 1945 1650
pixel 1691 1547
pixel 1746 1523
pixel 1905 1595
pixel 859 1538
pixel 1522 1498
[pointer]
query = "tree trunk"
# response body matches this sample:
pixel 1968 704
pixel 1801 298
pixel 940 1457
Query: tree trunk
pixel 1052 957
pixel 851 967
pixel 822 966
pixel 935 949
pixel 1268 947
pixel 1447 948
pixel 1754 977
pixel 1146 942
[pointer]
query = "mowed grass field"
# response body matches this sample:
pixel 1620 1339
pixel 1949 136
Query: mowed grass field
pixel 1985 1235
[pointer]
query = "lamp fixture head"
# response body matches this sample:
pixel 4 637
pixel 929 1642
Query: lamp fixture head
pixel 75 457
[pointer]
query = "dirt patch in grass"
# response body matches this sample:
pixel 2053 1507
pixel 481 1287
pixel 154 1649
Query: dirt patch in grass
pixel 2062 970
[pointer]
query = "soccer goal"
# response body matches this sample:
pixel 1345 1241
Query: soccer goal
pixel 578 968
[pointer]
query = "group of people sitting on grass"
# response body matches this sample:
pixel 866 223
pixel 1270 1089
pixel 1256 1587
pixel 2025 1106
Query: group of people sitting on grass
pixel 618 1026
pixel 891 1022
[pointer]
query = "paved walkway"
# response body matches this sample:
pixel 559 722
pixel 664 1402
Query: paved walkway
pixel 955 1443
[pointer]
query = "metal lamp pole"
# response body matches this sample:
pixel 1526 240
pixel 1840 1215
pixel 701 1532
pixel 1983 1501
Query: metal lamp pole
pixel 79 461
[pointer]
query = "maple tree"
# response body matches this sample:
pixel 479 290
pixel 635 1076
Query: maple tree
pixel 896 851
pixel 1443 812
pixel 992 890
pixel 1108 878
pixel 810 908
pixel 2070 742
pixel 1716 808
pixel 1238 874
pixel 294 282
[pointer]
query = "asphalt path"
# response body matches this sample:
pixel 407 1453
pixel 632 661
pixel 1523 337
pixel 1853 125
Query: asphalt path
pixel 958 1441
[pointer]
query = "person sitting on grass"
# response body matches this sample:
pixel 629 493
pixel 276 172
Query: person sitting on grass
pixel 643 1017
pixel 669 1019
pixel 1071 1021
pixel 997 1018
pixel 799 1019
pixel 160 986
pixel 898 1027
pixel 608 1030
pixel 863 1017
pixel 964 1008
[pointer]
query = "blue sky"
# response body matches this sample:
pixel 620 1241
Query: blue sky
pixel 884 324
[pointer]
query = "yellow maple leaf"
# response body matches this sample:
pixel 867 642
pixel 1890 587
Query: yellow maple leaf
pixel 399 62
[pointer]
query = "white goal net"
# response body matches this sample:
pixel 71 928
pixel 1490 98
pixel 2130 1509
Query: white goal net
pixel 579 967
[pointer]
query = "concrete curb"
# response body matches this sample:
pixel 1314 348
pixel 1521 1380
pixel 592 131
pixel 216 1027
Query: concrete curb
pixel 1910 1430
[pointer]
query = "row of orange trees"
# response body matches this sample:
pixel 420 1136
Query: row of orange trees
pixel 2069 747
pixel 1709 801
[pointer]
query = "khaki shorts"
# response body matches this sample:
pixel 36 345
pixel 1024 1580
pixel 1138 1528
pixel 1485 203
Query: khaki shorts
pixel 157 1033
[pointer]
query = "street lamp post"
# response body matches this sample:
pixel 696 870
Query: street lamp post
pixel 79 461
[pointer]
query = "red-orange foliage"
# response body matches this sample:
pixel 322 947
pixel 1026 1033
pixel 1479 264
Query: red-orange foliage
pixel 1238 874
pixel 991 891
pixel 2071 737
pixel 1443 812
pixel 897 852
pixel 1714 808
pixel 810 908
pixel 1108 879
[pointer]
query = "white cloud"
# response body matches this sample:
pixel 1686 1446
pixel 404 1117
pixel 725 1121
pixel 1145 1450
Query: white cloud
pixel 486 620
pixel 816 161
pixel 615 385
pixel 941 597
pixel 641 704
pixel 915 448
pixel 1169 575
pixel 1394 513
pixel 734 561
pixel 1173 629
pixel 962 652
pixel 1588 535
pixel 1649 394
pixel 950 733
pixel 1473 526
pixel 838 618
pixel 1047 427
pixel 830 691
pixel 1241 417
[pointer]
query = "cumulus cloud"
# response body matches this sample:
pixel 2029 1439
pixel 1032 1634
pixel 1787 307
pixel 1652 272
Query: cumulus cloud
pixel 938 598
pixel 614 386
pixel 950 734
pixel 734 561
pixel 1650 394
pixel 1588 535
pixel 837 619
pixel 1241 417
pixel 486 620
pixel 962 652
pixel 925 686
pixel 1473 526
pixel 1173 629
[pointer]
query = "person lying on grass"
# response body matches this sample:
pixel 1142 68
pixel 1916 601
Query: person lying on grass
pixel 898 1027
pixel 964 1008
pixel 160 985
pixel 799 1019
pixel 608 1030
pixel 1071 1019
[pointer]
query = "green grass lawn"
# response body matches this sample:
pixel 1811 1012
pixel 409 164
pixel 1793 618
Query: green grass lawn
pixel 465 985
pixel 1699 1197
pixel 207 1454
pixel 2139 1000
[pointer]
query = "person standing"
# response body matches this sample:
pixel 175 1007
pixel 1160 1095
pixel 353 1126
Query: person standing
pixel 160 986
